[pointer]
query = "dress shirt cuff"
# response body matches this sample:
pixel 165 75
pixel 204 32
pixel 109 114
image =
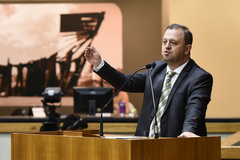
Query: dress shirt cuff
pixel 96 69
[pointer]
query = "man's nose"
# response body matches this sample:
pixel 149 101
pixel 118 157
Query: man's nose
pixel 168 45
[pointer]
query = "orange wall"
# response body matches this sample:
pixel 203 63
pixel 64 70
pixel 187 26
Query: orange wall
pixel 216 29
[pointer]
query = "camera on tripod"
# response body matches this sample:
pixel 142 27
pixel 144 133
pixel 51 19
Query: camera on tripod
pixel 51 95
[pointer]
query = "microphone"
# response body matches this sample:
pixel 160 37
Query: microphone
pixel 101 118
pixel 154 105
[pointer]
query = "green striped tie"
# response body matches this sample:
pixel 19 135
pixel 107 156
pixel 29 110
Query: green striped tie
pixel 163 100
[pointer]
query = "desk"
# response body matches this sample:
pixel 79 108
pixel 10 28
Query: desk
pixel 230 146
pixel 223 125
pixel 10 124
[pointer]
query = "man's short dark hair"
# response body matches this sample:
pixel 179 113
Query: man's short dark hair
pixel 188 37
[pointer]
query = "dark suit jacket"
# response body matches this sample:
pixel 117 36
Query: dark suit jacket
pixel 187 103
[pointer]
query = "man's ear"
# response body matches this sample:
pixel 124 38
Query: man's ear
pixel 188 49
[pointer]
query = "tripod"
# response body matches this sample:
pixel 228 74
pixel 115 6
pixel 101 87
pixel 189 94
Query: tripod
pixel 53 118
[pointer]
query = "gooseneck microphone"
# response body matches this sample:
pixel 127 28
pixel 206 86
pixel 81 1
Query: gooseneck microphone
pixel 154 104
pixel 101 118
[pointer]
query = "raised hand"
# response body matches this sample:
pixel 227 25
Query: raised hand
pixel 92 56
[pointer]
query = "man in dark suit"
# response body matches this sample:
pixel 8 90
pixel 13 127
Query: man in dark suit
pixel 191 86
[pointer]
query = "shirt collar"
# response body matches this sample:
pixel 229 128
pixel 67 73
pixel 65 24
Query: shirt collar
pixel 179 69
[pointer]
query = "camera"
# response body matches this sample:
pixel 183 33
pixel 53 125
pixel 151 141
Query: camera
pixel 52 95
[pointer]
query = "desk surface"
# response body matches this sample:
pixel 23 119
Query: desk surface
pixel 112 124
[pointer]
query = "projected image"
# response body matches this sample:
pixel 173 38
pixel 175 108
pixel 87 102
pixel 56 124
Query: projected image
pixel 42 45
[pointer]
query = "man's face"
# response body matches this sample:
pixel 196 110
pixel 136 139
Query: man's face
pixel 174 50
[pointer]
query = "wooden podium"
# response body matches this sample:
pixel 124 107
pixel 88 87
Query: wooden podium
pixel 87 145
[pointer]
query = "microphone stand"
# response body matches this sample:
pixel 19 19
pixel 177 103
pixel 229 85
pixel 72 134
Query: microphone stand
pixel 154 106
pixel 101 118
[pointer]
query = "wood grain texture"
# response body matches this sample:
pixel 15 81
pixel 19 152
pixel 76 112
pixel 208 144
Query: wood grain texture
pixel 58 146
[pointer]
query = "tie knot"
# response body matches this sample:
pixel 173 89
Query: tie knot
pixel 171 73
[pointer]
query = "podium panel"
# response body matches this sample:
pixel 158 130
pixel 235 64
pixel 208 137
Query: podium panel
pixel 68 145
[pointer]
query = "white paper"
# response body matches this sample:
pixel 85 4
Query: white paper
pixel 38 112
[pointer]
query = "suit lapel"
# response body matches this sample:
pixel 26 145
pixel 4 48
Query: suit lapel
pixel 180 78
pixel 157 87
